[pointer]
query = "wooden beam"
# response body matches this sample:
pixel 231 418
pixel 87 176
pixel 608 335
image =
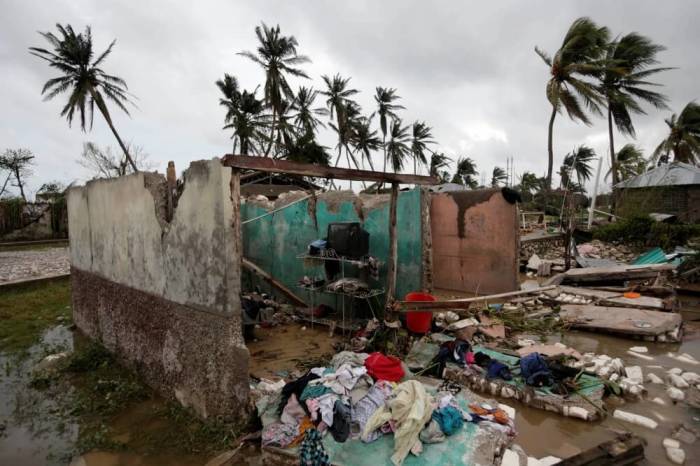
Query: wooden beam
pixel 460 303
pixel 625 449
pixel 393 245
pixel 271 165
pixel 289 294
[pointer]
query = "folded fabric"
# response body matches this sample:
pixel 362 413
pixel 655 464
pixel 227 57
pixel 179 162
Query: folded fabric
pixel 343 380
pixel 311 452
pixel 382 367
pixel 449 418
pixel 348 357
pixel 410 409
pixel 498 370
pixel 534 370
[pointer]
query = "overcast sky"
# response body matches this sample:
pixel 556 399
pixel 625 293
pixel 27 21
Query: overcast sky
pixel 467 68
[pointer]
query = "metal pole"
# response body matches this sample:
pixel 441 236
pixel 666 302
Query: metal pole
pixel 595 193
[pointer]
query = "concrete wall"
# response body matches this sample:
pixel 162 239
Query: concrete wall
pixel 274 241
pixel 475 241
pixel 683 201
pixel 164 297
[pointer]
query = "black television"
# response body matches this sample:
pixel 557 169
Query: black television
pixel 348 239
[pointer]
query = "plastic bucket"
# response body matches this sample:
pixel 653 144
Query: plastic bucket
pixel 419 322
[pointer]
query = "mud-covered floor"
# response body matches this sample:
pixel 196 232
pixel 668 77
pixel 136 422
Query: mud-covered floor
pixel 276 351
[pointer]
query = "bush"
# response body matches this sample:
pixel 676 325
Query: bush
pixel 641 231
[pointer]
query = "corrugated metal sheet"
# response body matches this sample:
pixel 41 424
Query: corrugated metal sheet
pixel 671 174
pixel 655 256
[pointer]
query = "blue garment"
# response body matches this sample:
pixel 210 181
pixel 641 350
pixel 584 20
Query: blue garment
pixel 498 369
pixel 534 370
pixel 449 418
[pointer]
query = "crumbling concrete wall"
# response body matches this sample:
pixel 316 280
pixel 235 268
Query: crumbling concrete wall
pixel 475 241
pixel 164 297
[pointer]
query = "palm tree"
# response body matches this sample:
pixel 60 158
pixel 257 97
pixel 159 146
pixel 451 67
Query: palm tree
pixel 386 108
pixel 277 55
pixel 438 162
pixel 683 139
pixel 83 78
pixel 580 55
pixel 245 115
pixel 363 139
pixel 578 161
pixel 397 148
pixel 306 116
pixel 230 101
pixel 529 182
pixel 421 136
pixel 465 173
pixel 338 99
pixel 498 176
pixel 624 85
pixel 630 162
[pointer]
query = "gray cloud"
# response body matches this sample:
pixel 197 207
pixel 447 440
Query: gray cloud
pixel 468 69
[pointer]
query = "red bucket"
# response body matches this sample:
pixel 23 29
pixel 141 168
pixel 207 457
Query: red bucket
pixel 419 322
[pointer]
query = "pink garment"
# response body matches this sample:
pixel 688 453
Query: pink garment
pixel 469 358
pixel 312 405
pixel 292 412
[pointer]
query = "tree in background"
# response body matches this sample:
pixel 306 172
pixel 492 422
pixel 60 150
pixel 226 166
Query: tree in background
pixel 18 162
pixel 465 173
pixel 105 163
pixel 386 109
pixel 364 139
pixel 529 184
pixel 683 139
pixel 305 149
pixel 624 85
pixel 581 55
pixel 397 148
pixel 277 55
pixel 630 162
pixel 579 162
pixel 421 137
pixel 82 77
pixel 306 116
pixel 439 162
pixel 339 103
pixel 498 176
pixel 244 115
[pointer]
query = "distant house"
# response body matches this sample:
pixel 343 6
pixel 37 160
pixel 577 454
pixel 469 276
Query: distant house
pixel 672 188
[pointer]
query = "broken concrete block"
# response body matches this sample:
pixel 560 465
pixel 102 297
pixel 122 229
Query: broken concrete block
pixel 51 362
pixel 671 443
pixel 640 355
pixel 676 455
pixel 634 373
pixel 639 349
pixel 549 461
pixel 636 419
pixel 658 401
pixel 691 377
pixel 686 433
pixel 576 411
pixel 677 381
pixel 676 371
pixel 675 394
pixel 510 458
pixel 653 378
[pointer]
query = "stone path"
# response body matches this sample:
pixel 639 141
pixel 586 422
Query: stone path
pixel 32 264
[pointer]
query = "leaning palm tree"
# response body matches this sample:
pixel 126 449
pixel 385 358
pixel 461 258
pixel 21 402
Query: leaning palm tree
pixel 277 55
pixel 624 85
pixel 421 137
pixel 363 139
pixel 248 121
pixel 83 78
pixel 438 162
pixel 578 161
pixel 306 115
pixel 397 147
pixel 581 55
pixel 338 100
pixel 683 139
pixel 630 162
pixel 529 183
pixel 465 173
pixel 386 109
pixel 230 100
pixel 498 176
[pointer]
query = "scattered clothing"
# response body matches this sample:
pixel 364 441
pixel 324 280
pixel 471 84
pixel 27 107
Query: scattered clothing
pixel 382 367
pixel 311 452
pixel 364 408
pixel 280 435
pixel 535 371
pixel 432 433
pixel 449 418
pixel 340 430
pixel 326 405
pixel 343 380
pixel 304 426
pixel 295 387
pixel 452 351
pixel 449 386
pixel 482 359
pixel 348 357
pixel 292 412
pixel 498 370
pixel 313 391
pixel 410 407
pixel 348 285
pixel 496 415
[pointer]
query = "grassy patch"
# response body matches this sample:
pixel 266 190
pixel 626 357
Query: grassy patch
pixel 26 311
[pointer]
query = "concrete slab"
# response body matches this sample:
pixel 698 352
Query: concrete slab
pixel 623 321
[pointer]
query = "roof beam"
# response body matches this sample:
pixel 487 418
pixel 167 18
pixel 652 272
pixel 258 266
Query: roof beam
pixel 271 165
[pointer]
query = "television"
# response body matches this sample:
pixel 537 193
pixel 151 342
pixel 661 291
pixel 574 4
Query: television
pixel 348 239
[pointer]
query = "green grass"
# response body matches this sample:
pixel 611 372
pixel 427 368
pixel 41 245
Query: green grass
pixel 33 247
pixel 26 311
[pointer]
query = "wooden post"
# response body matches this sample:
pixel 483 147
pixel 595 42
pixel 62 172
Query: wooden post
pixel 393 251
pixel 171 179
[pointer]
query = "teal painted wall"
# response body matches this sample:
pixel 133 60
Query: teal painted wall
pixel 274 242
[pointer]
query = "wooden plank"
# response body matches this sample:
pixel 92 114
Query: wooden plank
pixel 461 303
pixel 621 320
pixel 393 245
pixel 271 165
pixel 268 278
pixel 625 449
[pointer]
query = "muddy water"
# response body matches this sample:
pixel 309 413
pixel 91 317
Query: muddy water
pixel 541 433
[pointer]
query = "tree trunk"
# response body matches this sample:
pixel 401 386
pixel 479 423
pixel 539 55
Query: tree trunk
pixel 272 131
pixel 550 149
pixel 384 146
pixel 105 113
pixel 20 185
pixel 613 156
pixel 4 186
